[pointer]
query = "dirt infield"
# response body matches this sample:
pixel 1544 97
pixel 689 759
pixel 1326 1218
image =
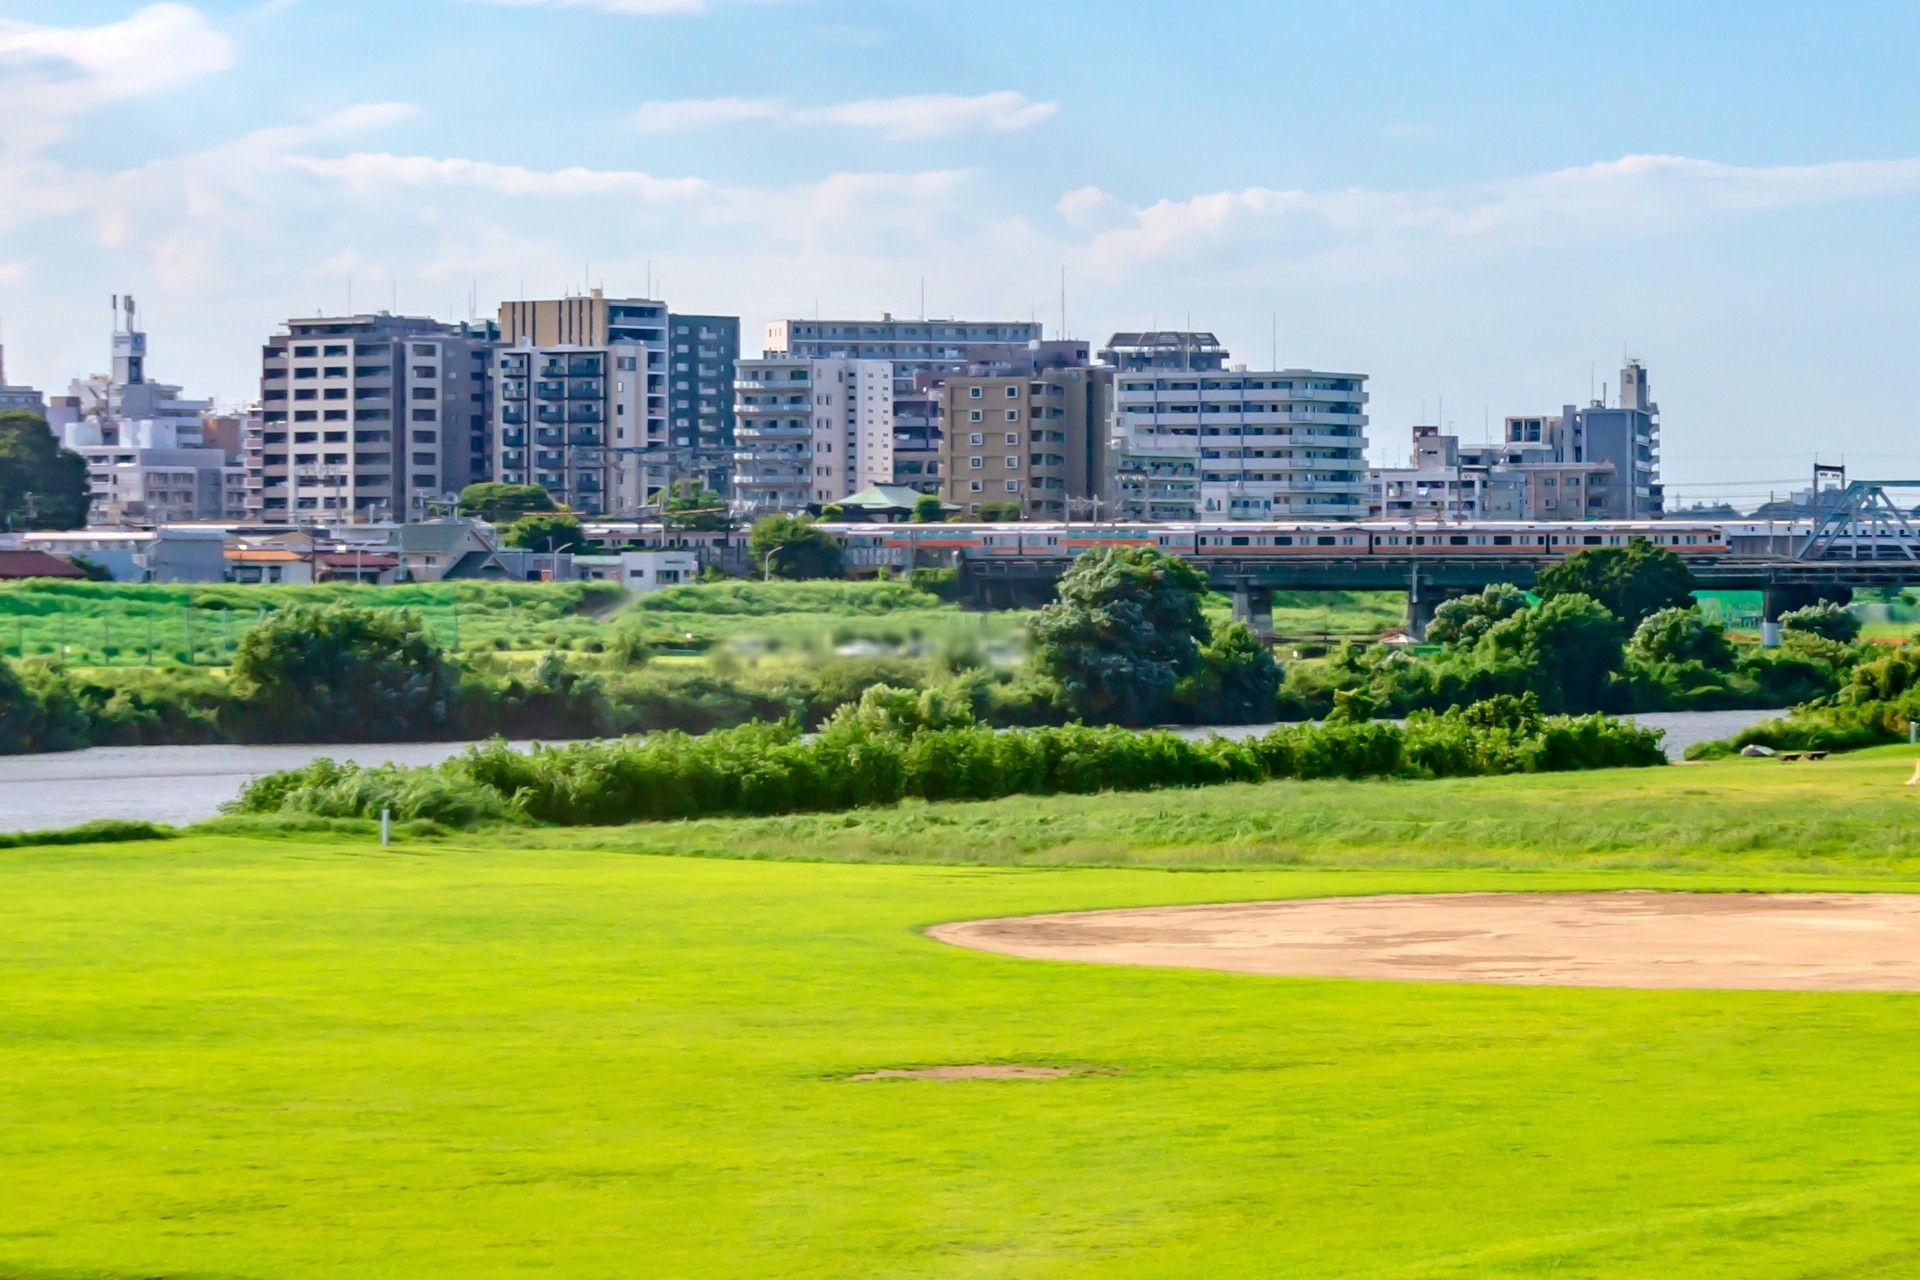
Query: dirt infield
pixel 1777 942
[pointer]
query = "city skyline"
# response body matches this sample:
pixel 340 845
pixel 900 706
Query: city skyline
pixel 1476 212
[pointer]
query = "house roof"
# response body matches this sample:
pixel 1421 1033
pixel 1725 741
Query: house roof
pixel 437 537
pixel 477 564
pixel 882 497
pixel 35 564
pixel 360 559
pixel 264 555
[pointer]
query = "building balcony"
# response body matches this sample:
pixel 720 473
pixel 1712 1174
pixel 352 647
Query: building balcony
pixel 586 389
pixel 513 436
pixel 585 367
pixel 552 414
pixel 553 368
pixel 589 413
pixel 550 390
pixel 585 437
pixel 513 415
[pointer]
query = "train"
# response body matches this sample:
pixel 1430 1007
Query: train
pixel 877 544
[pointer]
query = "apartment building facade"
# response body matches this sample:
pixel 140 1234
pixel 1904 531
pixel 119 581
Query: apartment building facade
pixel 703 352
pixel 1195 439
pixel 371 417
pixel 808 431
pixel 580 401
pixel 922 354
pixel 1605 458
pixel 1037 440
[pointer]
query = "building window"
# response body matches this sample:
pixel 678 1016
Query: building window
pixel 976 464
pixel 976 438
pixel 1013 486
pixel 974 486
pixel 974 415
pixel 1013 393
pixel 973 392
pixel 1013 437
pixel 1013 464
pixel 1013 415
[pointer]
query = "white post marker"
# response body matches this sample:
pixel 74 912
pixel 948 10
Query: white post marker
pixel 385 814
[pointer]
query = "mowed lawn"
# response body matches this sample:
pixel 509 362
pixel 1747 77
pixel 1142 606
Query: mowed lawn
pixel 248 1058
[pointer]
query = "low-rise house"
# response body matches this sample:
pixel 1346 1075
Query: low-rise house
pixel 438 550
pixel 15 565
pixel 267 566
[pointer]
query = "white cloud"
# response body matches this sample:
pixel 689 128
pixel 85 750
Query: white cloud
pixel 56 74
pixel 1400 229
pixel 368 171
pixel 695 113
pixel 638 8
pixel 917 116
pixel 930 115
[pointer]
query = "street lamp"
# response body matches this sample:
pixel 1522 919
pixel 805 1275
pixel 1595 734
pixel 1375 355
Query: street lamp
pixel 766 565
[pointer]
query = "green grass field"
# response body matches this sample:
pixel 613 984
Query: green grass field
pixel 116 624
pixel 246 1057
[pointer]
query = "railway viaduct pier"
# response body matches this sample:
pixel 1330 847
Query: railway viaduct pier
pixel 1429 580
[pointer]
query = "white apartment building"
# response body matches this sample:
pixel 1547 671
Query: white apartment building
pixel 922 353
pixel 1193 439
pixel 809 431
pixel 580 401
pixel 370 417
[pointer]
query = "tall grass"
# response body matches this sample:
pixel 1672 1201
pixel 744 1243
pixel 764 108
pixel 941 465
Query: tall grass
pixel 873 754
pixel 155 624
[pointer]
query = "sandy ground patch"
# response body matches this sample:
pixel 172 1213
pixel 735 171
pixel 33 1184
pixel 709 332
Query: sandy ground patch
pixel 976 1071
pixel 1776 942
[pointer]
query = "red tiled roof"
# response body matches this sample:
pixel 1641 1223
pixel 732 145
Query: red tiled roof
pixel 35 564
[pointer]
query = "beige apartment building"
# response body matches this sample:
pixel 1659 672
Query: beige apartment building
pixel 1038 440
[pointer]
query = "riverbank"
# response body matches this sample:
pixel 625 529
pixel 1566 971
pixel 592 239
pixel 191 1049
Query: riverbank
pixel 181 785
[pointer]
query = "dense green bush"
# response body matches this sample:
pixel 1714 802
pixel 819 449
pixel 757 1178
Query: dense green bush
pixel 342 674
pixel 1128 627
pixel 1825 619
pixel 896 744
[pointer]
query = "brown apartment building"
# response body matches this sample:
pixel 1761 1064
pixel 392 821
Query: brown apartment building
pixel 1039 440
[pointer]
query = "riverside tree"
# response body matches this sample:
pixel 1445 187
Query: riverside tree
pixel 1633 582
pixel 496 503
pixel 342 674
pixel 794 547
pixel 1127 628
pixel 42 486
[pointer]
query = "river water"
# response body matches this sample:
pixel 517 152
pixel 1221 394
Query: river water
pixel 186 784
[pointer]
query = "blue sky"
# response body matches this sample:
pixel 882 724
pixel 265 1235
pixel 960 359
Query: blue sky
pixel 1479 205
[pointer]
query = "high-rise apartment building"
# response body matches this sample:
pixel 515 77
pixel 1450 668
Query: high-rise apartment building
pixel 1195 439
pixel 371 417
pixel 922 352
pixel 1037 441
pixel 701 356
pixel 580 401
pixel 1613 449
pixel 808 431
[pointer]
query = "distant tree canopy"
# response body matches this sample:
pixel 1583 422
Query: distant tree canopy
pixel 1682 635
pixel 1572 641
pixel 42 486
pixel 1825 619
pixel 341 674
pixel 548 531
pixel 1128 626
pixel 1000 512
pixel 1459 623
pixel 1633 582
pixel 692 508
pixel 928 509
pixel 794 547
pixel 496 503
